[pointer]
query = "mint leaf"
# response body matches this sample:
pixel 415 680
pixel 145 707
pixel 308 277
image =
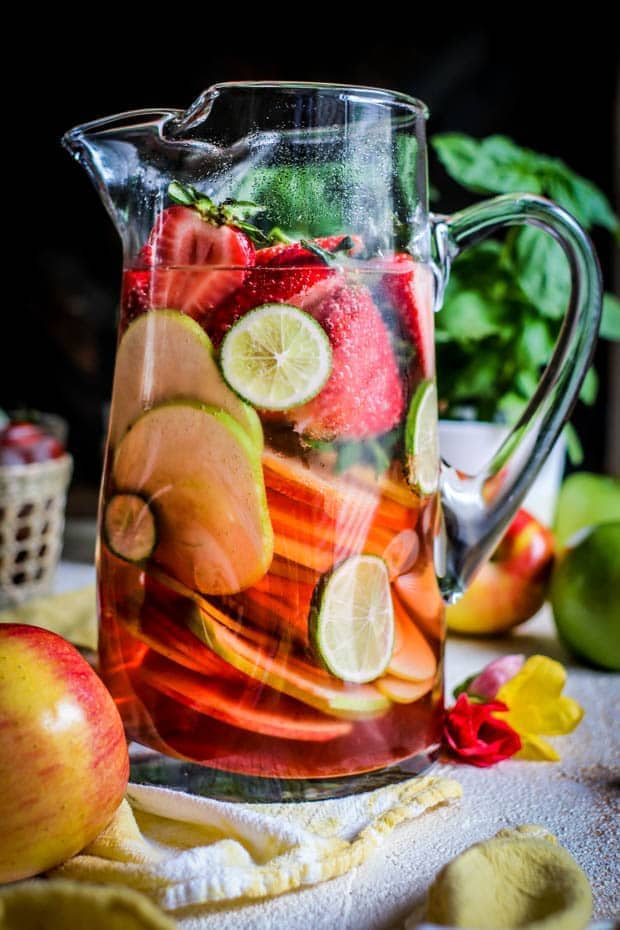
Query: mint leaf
pixel 542 271
pixel 610 320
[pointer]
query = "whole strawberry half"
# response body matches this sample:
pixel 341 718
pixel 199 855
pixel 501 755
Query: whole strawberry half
pixel 363 395
pixel 285 273
pixel 197 253
pixel 408 286
pixel 195 263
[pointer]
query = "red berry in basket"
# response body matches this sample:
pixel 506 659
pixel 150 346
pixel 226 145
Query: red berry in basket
pixel 363 395
pixel 22 443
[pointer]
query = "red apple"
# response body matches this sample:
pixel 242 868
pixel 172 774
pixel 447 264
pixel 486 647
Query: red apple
pixel 512 586
pixel 63 755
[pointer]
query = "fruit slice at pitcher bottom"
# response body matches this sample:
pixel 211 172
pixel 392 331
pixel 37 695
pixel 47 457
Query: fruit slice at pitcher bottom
pixel 421 442
pixel 203 478
pixel 276 357
pixel 165 355
pixel 245 706
pixel 352 619
pixel 129 527
pixel 292 676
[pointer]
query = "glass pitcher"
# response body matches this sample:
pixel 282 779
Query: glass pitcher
pixel 277 534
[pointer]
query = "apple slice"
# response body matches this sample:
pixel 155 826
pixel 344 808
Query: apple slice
pixel 288 674
pixel 419 592
pixel 403 692
pixel 412 657
pixel 166 355
pixel 246 706
pixel 202 477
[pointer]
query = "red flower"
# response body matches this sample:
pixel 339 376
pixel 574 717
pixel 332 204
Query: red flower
pixel 475 736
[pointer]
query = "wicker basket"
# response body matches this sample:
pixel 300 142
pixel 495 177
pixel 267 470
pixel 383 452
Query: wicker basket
pixel 32 517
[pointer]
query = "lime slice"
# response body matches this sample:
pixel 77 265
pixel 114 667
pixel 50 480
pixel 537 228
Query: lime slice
pixel 352 620
pixel 421 443
pixel 276 357
pixel 129 527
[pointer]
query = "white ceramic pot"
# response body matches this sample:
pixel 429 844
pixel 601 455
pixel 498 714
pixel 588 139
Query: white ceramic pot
pixel 468 445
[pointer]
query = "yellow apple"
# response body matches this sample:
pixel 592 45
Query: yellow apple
pixel 63 755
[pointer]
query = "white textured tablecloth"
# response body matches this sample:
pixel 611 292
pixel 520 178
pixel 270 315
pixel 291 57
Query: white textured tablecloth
pixel 577 799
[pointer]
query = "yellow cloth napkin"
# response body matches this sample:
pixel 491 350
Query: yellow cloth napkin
pixel 190 854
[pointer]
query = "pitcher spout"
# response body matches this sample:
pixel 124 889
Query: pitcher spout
pixel 125 156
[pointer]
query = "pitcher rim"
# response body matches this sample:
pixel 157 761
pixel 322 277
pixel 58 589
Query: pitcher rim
pixel 371 93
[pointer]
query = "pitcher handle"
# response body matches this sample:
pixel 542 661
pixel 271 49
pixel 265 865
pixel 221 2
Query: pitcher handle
pixel 477 509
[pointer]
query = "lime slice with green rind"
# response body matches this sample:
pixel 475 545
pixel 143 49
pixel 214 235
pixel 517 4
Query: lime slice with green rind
pixel 421 442
pixel 276 357
pixel 352 619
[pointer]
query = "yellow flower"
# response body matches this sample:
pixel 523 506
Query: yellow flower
pixel 538 708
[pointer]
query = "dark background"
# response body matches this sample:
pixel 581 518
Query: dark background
pixel 551 92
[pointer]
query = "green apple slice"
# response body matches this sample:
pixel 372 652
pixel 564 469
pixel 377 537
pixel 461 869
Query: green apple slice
pixel 166 355
pixel 202 477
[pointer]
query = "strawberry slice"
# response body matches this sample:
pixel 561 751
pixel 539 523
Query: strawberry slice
pixel 295 253
pixel 363 395
pixel 408 285
pixel 285 273
pixel 181 247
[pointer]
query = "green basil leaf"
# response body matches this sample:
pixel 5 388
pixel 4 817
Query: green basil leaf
pixel 582 198
pixel 610 320
pixel 526 382
pixel 542 271
pixel 468 316
pixel 573 445
pixel 535 341
pixel 315 192
pixel 589 388
pixel 495 165
pixel 511 406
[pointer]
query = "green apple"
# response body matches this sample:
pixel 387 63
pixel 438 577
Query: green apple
pixel 63 755
pixel 585 500
pixel 585 596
